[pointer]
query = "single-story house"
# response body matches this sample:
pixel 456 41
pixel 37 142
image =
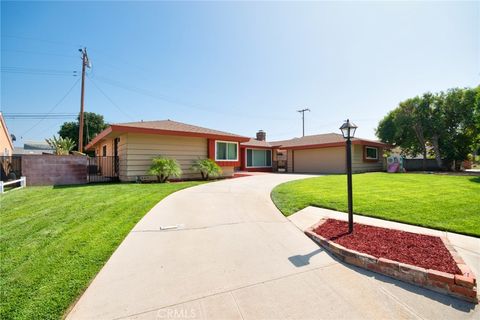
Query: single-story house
pixel 136 143
pixel 325 153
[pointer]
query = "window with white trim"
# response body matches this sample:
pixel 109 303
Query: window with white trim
pixel 371 153
pixel 259 158
pixel 226 151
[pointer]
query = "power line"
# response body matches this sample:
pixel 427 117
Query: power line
pixel 42 40
pixel 54 107
pixel 109 99
pixel 36 71
pixel 40 73
pixel 165 98
pixel 29 116
pixel 19 68
pixel 38 52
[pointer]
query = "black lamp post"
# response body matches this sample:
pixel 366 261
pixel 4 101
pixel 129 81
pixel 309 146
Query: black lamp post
pixel 348 131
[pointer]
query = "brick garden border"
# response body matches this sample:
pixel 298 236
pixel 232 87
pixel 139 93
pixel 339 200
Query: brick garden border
pixel 460 286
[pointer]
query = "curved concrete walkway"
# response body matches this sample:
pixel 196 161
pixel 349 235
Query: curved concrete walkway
pixel 236 257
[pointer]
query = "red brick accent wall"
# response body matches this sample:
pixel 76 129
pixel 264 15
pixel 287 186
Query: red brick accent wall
pixel 461 286
pixel 54 170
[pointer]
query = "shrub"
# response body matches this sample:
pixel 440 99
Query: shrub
pixel 164 168
pixel 207 168
pixel 62 146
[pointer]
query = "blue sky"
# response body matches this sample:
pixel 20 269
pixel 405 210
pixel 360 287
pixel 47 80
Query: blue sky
pixel 237 67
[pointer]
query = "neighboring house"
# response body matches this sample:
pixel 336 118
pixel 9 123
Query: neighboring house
pixel 325 153
pixel 6 144
pixel 34 147
pixel 136 143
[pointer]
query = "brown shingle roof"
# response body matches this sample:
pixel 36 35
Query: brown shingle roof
pixel 165 127
pixel 257 143
pixel 175 126
pixel 318 139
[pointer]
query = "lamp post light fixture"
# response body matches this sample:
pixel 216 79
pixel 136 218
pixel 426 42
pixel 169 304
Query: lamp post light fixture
pixel 348 132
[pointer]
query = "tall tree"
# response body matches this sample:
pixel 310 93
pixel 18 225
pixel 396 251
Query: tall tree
pixel 405 127
pixel 93 124
pixel 448 121
pixel 461 127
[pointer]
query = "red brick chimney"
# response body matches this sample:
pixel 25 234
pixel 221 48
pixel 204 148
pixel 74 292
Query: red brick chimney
pixel 261 135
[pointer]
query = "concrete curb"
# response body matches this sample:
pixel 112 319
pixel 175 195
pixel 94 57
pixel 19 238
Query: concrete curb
pixel 460 286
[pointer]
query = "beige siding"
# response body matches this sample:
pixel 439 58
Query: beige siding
pixel 5 147
pixel 323 160
pixel 142 148
pixel 122 157
pixel 228 171
pixel 106 142
pixel 289 160
pixel 331 160
pixel 358 163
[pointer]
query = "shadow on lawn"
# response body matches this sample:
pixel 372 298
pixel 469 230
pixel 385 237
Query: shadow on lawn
pixel 476 179
pixel 98 184
pixel 455 303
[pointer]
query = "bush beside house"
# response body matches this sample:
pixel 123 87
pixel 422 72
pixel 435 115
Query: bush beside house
pixel 164 168
pixel 207 168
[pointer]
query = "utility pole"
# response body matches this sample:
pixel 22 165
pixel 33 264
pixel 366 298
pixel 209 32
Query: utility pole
pixel 303 119
pixel 85 64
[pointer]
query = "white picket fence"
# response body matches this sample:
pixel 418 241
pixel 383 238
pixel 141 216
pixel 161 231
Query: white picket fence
pixel 22 181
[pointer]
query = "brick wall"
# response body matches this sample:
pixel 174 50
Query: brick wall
pixel 54 170
pixel 462 286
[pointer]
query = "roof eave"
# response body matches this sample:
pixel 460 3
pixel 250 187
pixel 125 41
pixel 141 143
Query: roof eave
pixel 128 129
pixel 335 144
pixel 98 138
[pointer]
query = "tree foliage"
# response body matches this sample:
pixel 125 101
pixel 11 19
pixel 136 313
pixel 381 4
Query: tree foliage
pixel 445 125
pixel 164 168
pixel 93 125
pixel 62 146
pixel 207 168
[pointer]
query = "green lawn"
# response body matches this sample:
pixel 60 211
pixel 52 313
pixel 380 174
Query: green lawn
pixel 442 202
pixel 54 240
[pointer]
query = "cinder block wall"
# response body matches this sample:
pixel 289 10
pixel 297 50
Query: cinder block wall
pixel 54 170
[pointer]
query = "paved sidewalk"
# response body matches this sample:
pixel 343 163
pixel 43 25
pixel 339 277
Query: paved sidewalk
pixel 236 257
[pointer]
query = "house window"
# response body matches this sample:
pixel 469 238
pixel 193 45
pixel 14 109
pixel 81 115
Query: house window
pixel 104 151
pixel 371 153
pixel 226 151
pixel 259 158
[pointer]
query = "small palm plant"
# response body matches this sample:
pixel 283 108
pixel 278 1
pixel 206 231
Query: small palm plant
pixel 164 168
pixel 207 168
pixel 62 146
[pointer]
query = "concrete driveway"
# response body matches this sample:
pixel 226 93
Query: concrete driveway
pixel 236 257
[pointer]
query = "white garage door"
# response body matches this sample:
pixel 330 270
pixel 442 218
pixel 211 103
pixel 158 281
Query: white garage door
pixel 324 160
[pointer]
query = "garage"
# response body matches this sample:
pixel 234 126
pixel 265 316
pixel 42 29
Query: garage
pixel 321 160
pixel 325 153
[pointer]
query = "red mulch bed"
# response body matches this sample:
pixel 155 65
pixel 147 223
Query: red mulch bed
pixel 420 250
